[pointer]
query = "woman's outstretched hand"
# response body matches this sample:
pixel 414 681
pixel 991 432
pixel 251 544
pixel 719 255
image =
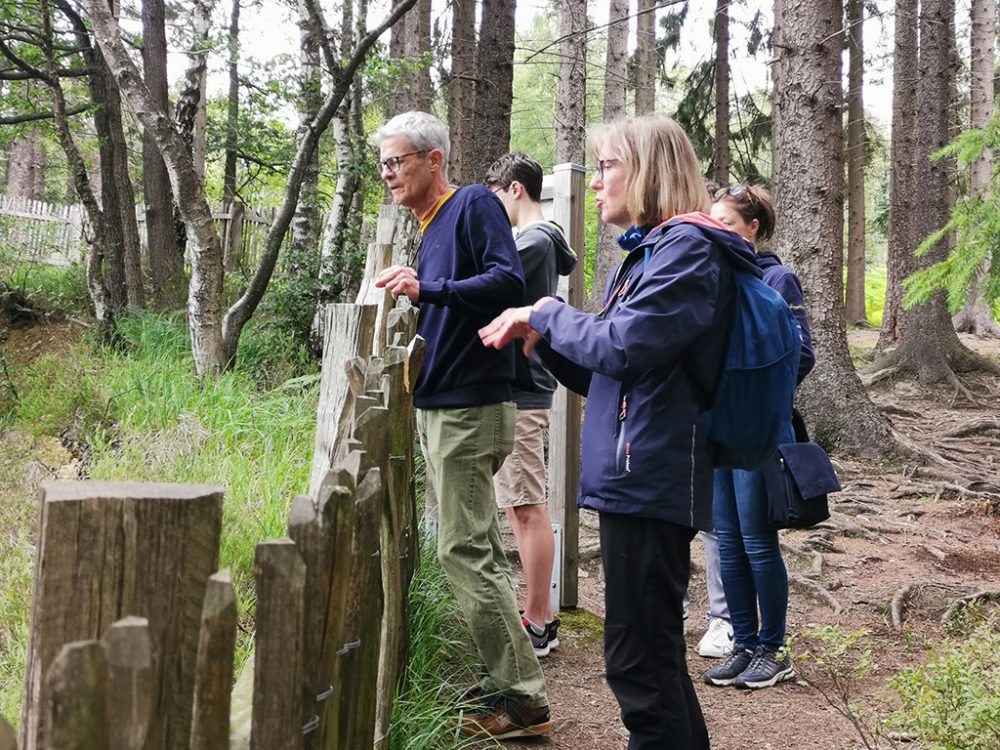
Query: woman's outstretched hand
pixel 512 324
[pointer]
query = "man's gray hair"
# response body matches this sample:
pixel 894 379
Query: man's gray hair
pixel 425 132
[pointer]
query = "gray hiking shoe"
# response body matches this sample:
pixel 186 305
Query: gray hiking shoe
pixel 727 672
pixel 767 669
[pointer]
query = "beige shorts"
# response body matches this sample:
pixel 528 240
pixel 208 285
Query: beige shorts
pixel 521 480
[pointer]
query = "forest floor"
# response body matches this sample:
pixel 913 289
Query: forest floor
pixel 894 534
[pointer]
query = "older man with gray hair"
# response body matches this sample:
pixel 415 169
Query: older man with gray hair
pixel 468 271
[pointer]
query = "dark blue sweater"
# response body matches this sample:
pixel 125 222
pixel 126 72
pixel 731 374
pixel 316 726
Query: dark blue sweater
pixel 469 272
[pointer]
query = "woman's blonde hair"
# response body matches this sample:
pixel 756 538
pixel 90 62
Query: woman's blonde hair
pixel 664 177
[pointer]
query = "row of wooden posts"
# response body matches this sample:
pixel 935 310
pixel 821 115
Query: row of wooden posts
pixel 57 234
pixel 133 626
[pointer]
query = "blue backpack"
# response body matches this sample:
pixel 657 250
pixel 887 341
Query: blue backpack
pixel 753 396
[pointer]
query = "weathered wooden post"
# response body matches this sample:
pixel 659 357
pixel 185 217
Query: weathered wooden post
pixel 349 331
pixel 75 701
pixel 568 184
pixel 130 684
pixel 8 740
pixel 107 550
pixel 280 576
pixel 214 674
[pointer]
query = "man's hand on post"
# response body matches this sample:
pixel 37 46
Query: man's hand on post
pixel 400 280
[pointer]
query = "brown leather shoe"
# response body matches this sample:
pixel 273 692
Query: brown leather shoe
pixel 505 719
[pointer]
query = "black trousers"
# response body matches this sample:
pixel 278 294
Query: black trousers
pixel 646 566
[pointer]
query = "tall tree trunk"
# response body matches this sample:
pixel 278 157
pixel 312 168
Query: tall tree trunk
pixel 903 199
pixel 645 58
pixel 608 254
pixel 409 42
pixel 462 89
pixel 927 344
pixel 25 167
pixel 495 85
pixel 976 316
pixel 306 223
pixel 856 147
pixel 720 160
pixel 189 99
pixel 104 311
pixel 808 165
pixel 165 268
pixel 233 111
pixel 571 96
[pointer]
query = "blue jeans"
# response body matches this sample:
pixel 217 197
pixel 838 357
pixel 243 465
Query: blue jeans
pixel 753 572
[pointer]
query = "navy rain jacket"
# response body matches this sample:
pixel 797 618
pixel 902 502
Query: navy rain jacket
pixel 667 314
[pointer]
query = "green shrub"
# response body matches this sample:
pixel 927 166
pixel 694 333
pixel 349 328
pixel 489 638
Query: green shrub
pixel 953 701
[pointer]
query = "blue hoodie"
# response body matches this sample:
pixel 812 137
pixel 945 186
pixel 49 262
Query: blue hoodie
pixel 787 284
pixel 644 450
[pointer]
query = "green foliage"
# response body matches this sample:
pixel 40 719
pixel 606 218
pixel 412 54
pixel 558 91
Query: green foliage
pixel 835 663
pixel 440 666
pixel 953 701
pixel 49 290
pixel 975 221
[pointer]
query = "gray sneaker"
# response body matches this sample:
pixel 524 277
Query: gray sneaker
pixel 727 672
pixel 767 669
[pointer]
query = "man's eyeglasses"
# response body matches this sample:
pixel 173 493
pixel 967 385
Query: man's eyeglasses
pixel 603 164
pixel 393 163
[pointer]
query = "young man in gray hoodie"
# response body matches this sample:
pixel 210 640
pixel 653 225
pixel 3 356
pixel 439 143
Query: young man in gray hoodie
pixel 516 179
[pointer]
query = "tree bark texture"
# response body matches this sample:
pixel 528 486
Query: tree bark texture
pixel 976 316
pixel 856 147
pixel 165 270
pixel 104 311
pixel 720 160
pixel 928 345
pixel 306 224
pixel 645 58
pixel 903 199
pixel 409 42
pixel 26 167
pixel 494 87
pixel 233 111
pixel 205 290
pixel 192 87
pixel 808 165
pixel 607 254
pixel 462 90
pixel 571 107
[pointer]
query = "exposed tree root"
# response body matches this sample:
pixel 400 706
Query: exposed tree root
pixel 981 426
pixel 868 379
pixel 820 592
pixel 904 595
pixel 965 601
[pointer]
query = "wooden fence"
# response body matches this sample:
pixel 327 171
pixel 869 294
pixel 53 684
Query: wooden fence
pixel 57 235
pixel 41 231
pixel 133 628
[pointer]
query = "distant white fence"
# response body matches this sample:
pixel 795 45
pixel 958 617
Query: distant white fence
pixel 57 235
pixel 40 231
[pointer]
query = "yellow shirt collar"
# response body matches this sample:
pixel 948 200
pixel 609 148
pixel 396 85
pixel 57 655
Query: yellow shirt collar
pixel 437 206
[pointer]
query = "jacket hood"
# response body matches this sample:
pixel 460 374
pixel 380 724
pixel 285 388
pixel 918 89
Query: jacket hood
pixel 565 257
pixel 739 252
pixel 768 260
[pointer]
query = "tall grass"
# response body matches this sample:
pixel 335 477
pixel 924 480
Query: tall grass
pixel 441 655
pixel 139 413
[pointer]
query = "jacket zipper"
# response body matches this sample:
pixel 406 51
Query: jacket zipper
pixel 624 447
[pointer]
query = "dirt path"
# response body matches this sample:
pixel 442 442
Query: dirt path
pixel 893 528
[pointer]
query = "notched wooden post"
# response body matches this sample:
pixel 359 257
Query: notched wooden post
pixel 280 576
pixel 113 549
pixel 214 674
pixel 130 684
pixel 74 713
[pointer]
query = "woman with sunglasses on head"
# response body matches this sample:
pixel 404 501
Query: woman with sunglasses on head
pixel 645 465
pixel 753 572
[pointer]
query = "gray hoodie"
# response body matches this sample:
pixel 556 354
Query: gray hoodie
pixel 545 256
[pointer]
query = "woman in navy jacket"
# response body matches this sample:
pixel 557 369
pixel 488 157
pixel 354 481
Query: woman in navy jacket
pixel 645 465
pixel 753 572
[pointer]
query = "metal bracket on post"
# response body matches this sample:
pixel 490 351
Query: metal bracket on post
pixel 554 586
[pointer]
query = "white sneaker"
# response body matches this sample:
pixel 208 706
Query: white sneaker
pixel 718 639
